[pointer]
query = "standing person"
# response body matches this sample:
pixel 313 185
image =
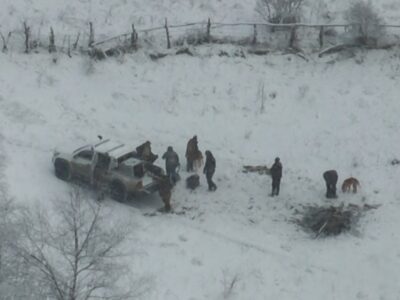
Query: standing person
pixel 144 152
pixel 276 174
pixel 331 179
pixel 171 164
pixel 192 149
pixel 165 192
pixel 209 170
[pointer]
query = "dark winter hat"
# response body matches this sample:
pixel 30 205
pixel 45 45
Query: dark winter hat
pixel 169 148
pixel 277 159
pixel 208 152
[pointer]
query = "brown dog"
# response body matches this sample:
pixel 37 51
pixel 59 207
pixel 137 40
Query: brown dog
pixel 197 161
pixel 350 183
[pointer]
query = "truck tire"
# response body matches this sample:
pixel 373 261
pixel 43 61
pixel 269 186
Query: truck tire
pixel 62 170
pixel 118 191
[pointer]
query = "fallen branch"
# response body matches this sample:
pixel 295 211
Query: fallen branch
pixel 335 49
pixel 321 229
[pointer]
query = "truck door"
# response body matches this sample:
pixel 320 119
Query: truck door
pixel 83 164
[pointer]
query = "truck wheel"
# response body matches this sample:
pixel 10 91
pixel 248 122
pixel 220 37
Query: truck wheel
pixel 62 169
pixel 118 191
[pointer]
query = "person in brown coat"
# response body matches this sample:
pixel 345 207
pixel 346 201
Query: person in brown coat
pixel 165 191
pixel 192 150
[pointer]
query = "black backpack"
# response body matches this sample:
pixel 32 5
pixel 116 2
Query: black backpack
pixel 193 181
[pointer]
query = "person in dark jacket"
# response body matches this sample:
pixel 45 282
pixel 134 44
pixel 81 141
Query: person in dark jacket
pixel 192 149
pixel 331 179
pixel 171 164
pixel 209 170
pixel 276 174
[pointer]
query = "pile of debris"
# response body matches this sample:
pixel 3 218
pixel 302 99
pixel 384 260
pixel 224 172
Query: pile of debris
pixel 261 169
pixel 332 220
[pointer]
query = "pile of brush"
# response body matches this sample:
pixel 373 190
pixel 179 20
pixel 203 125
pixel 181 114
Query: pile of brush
pixel 331 220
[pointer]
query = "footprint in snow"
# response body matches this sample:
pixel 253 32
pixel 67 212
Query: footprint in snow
pixel 182 238
pixel 196 261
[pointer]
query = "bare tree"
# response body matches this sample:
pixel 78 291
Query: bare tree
pixel 9 263
pixel 366 22
pixel 74 255
pixel 279 11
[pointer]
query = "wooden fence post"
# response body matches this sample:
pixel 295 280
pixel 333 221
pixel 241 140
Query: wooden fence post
pixel 5 41
pixel 91 34
pixel 292 40
pixel 52 45
pixel 321 37
pixel 254 34
pixel 134 38
pixel 27 33
pixel 209 30
pixel 75 45
pixel 167 33
pixel 69 47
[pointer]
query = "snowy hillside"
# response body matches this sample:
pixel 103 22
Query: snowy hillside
pixel 337 112
pixel 323 114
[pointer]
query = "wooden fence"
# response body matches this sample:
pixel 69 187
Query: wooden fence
pixel 309 37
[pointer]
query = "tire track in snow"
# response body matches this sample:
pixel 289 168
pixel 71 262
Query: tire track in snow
pixel 284 259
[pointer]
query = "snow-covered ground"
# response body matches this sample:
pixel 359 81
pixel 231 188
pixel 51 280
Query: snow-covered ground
pixel 319 115
pixel 339 111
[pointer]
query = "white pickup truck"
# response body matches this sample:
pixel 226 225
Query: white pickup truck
pixel 113 167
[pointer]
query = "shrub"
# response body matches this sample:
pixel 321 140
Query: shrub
pixel 366 23
pixel 279 11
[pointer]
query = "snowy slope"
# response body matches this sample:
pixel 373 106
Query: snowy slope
pixel 323 114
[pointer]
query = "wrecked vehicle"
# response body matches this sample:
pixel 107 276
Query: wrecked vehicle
pixel 109 167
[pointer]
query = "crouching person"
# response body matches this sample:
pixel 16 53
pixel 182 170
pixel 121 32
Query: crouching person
pixel 165 191
pixel 331 179
pixel 144 152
